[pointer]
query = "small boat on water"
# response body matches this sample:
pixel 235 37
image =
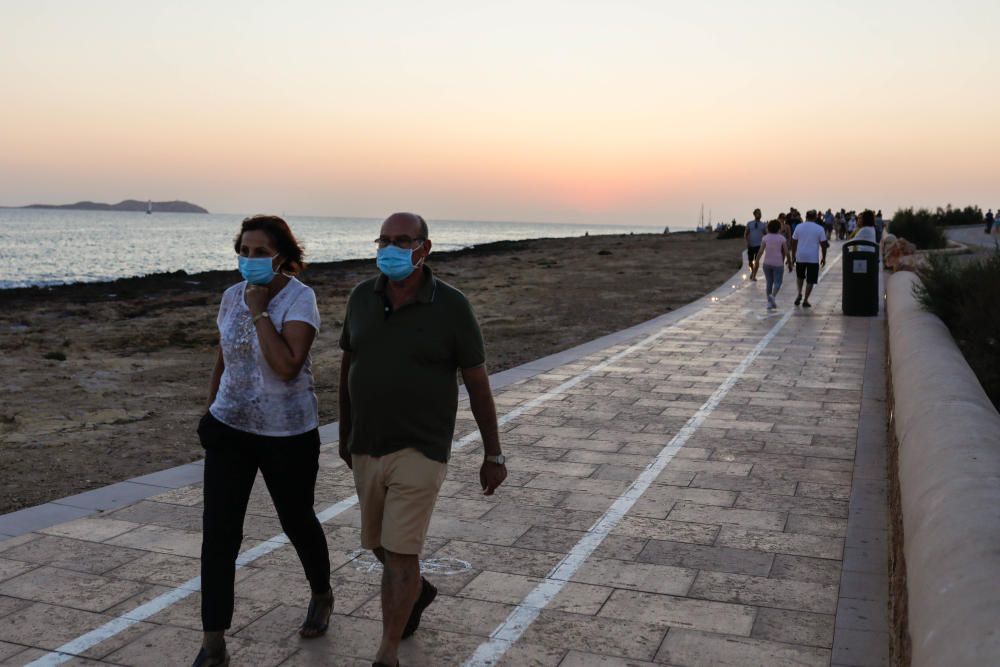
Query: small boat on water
pixel 149 207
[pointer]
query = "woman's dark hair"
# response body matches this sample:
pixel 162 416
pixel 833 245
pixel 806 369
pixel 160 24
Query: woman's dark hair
pixel 774 226
pixel 281 237
pixel 867 218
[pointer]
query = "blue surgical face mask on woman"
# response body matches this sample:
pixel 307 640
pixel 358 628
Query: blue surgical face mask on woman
pixel 395 263
pixel 257 270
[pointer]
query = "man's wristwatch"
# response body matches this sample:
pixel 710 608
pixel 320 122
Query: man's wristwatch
pixel 499 459
pixel 261 314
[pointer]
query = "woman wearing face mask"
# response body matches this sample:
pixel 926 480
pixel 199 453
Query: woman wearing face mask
pixel 262 416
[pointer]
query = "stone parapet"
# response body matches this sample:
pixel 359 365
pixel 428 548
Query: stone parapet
pixel 948 435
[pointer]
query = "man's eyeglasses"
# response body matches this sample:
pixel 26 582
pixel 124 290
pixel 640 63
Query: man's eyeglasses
pixel 404 242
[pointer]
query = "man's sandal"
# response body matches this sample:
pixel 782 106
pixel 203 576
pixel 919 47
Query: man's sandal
pixel 316 624
pixel 427 594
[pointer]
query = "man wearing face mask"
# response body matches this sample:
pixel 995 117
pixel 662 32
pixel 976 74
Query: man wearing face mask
pixel 406 334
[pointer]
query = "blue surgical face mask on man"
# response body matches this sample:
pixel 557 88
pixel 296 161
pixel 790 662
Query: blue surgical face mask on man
pixel 395 263
pixel 257 270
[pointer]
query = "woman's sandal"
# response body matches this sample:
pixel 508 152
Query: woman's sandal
pixel 316 624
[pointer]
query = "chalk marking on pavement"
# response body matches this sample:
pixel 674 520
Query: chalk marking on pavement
pixel 76 647
pixel 521 617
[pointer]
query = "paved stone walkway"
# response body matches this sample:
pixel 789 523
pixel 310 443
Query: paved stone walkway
pixel 683 499
pixel 972 235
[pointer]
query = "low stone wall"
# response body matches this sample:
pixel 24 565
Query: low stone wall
pixel 948 436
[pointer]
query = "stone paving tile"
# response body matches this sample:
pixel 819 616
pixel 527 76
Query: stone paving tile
pixel 803 568
pixel 536 655
pixel 92 529
pixel 690 648
pixel 675 531
pixel 8 650
pixel 72 554
pixel 511 560
pixel 512 588
pixel 149 649
pixel 46 626
pixel 521 495
pixel 76 590
pixel 816 525
pixel 859 648
pixel 648 577
pixel 666 493
pixel 481 530
pixel 13 568
pixel 9 605
pixel 794 627
pixel 620 547
pixel 738 483
pixel 792 504
pixel 560 517
pixel 872 559
pixel 162 540
pixel 596 634
pixel 700 557
pixel 683 612
pixel 582 659
pixel 685 511
pixel 762 591
pixel 795 544
pixel 30 655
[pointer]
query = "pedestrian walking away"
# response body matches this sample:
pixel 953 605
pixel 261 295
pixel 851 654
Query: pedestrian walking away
pixel 406 334
pixel 773 256
pixel 809 246
pixel 262 415
pixel 990 221
pixel 753 235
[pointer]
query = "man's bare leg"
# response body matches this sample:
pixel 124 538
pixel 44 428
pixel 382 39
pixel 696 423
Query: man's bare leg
pixel 400 588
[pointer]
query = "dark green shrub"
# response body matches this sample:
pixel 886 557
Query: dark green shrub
pixel 917 227
pixel 945 217
pixel 964 296
pixel 948 216
pixel 55 356
pixel 732 232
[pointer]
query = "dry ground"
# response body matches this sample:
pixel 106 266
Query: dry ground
pixel 104 382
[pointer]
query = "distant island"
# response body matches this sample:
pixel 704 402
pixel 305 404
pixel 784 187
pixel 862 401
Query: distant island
pixel 127 205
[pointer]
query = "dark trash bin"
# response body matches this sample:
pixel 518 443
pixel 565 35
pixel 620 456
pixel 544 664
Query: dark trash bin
pixel 861 278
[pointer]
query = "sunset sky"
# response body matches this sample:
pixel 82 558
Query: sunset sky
pixel 616 111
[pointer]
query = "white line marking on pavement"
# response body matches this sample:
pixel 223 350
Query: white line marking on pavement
pixel 115 626
pixel 521 617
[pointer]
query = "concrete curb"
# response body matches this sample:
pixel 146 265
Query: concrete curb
pixel 120 494
pixel 949 476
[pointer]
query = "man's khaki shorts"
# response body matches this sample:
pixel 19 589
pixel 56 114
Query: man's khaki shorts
pixel 397 493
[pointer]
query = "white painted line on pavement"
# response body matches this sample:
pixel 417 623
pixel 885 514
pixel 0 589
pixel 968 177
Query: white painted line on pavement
pixel 521 617
pixel 115 626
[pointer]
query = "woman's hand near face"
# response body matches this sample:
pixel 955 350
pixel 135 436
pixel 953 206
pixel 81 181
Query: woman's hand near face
pixel 258 297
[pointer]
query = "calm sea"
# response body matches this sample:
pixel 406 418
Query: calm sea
pixel 48 247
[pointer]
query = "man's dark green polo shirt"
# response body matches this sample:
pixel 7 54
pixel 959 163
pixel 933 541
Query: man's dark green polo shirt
pixel 402 380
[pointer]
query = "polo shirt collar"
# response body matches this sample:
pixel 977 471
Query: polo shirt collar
pixel 427 289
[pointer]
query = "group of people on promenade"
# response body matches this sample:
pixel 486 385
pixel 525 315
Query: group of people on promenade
pixel 844 224
pixel 406 335
pixel 787 241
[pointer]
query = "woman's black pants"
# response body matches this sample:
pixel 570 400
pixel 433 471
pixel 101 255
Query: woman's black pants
pixel 289 466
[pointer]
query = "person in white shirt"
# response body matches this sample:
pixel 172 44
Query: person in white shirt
pixel 262 415
pixel 809 246
pixel 866 232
